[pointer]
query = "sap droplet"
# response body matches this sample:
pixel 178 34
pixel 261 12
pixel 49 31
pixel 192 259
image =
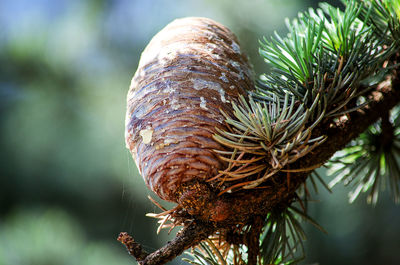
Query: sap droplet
pixel 224 78
pixel 222 94
pixel 146 135
pixel 203 103
pixel 169 141
pixel 174 104
pixel 200 84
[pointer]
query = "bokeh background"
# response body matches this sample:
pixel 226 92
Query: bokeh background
pixel 68 186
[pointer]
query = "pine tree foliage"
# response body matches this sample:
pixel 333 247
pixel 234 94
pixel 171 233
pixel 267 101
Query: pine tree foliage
pixel 316 71
pixel 372 160
pixel 321 70
pixel 275 131
pixel 383 17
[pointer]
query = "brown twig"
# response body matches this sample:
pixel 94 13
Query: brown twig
pixel 252 240
pixel 189 236
pixel 134 248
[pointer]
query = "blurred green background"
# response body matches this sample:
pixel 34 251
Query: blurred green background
pixel 68 186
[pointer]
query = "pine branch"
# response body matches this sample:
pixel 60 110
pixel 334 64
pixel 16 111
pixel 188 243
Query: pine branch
pixel 189 236
pixel 245 205
pixel 252 240
pixel 133 247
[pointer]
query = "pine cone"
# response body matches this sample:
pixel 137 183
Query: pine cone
pixel 188 73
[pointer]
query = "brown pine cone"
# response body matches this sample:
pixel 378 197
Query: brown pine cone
pixel 188 73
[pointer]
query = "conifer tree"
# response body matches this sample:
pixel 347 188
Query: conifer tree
pixel 238 156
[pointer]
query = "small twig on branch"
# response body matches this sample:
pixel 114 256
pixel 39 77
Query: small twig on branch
pixel 134 248
pixel 189 236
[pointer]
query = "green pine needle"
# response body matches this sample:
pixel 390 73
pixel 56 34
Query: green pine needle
pixel 316 73
pixel 326 51
pixel 271 135
pixel 384 17
pixel 283 236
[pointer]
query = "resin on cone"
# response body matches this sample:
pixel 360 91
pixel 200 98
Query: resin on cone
pixel 188 73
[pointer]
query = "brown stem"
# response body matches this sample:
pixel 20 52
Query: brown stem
pixel 252 240
pixel 234 237
pixel 387 131
pixel 189 236
pixel 134 248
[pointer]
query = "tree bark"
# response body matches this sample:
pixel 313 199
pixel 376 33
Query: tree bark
pixel 189 236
